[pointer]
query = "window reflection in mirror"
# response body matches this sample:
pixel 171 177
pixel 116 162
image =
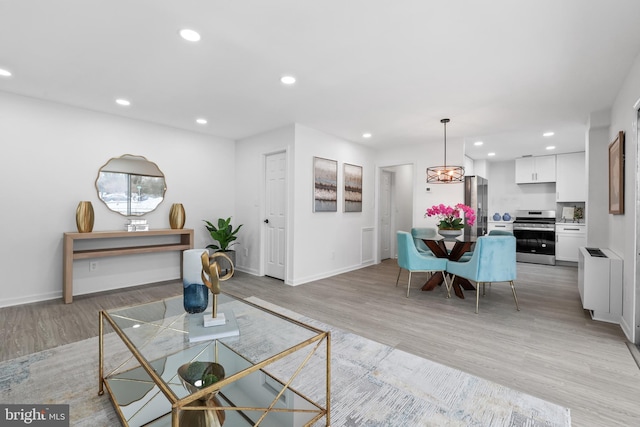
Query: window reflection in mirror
pixel 131 185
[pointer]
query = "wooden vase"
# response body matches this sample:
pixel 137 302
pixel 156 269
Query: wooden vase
pixel 84 217
pixel 177 216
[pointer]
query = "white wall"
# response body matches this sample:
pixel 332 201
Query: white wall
pixel 597 206
pixel 623 228
pixel 507 196
pixel 51 156
pixel 328 243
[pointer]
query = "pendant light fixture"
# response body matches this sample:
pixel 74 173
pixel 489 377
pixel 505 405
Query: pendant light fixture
pixel 445 174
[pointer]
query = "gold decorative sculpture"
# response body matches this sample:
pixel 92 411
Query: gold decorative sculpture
pixel 211 276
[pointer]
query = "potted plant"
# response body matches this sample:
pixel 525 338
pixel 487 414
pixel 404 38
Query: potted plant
pixel 225 235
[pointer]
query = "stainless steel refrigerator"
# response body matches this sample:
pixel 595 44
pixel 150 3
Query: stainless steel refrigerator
pixel 476 196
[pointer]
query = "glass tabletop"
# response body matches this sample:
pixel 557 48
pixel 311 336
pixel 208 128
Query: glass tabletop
pixel 163 327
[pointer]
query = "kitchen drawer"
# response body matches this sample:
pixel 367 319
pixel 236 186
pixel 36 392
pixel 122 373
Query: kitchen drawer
pixel 500 225
pixel 564 228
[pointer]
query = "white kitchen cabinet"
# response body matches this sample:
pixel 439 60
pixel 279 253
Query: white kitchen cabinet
pixel 571 182
pixel 500 225
pixel 531 170
pixel 569 238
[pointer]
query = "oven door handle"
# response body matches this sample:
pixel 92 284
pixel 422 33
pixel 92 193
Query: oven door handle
pixel 550 230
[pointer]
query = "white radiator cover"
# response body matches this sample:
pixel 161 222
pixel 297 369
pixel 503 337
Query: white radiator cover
pixel 600 285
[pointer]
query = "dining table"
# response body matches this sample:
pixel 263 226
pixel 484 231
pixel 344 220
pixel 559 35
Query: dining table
pixel 461 245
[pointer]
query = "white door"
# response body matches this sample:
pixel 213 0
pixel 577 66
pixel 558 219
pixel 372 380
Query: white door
pixel 275 195
pixel 385 215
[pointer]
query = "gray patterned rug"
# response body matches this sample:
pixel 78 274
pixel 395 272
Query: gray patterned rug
pixel 372 385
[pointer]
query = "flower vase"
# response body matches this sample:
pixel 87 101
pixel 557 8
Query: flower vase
pixel 84 217
pixel 195 293
pixel 177 216
pixel 449 234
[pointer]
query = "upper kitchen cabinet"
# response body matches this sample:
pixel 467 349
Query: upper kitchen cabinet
pixel 571 182
pixel 532 170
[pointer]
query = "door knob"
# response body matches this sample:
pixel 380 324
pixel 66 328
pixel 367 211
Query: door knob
pixel 266 221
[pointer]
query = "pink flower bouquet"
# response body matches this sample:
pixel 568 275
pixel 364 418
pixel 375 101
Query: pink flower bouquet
pixel 451 217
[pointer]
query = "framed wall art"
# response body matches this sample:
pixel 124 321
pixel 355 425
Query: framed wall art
pixel 352 188
pixel 616 175
pixel 325 185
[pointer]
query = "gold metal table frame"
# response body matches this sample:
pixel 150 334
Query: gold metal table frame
pixel 146 391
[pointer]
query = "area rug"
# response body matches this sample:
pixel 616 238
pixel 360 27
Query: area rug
pixel 372 385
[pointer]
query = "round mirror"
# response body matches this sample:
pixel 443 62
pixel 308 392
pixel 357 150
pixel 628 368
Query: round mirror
pixel 131 185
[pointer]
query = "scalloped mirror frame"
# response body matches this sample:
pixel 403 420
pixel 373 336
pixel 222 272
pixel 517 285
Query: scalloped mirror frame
pixel 131 185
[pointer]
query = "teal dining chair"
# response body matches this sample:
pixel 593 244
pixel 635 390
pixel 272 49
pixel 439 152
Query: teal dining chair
pixel 493 260
pixel 411 260
pixel 500 233
pixel 419 233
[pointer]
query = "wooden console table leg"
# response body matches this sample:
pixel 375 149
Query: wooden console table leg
pixel 185 239
pixel 67 270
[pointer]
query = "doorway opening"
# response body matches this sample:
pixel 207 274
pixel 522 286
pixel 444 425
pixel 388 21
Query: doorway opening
pixel 395 206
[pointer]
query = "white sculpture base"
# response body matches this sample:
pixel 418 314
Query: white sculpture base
pixel 199 332
pixel 209 321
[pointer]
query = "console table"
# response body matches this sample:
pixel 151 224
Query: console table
pixel 70 253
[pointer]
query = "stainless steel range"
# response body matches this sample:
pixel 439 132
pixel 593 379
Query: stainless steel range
pixel 535 233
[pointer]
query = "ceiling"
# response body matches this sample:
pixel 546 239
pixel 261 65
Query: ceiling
pixel 503 71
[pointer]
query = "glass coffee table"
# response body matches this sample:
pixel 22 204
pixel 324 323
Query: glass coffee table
pixel 271 363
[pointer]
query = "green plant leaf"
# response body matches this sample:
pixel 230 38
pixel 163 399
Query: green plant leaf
pixel 224 233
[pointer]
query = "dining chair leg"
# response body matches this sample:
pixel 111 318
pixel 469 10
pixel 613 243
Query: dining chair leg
pixel 409 284
pixel 398 278
pixel 513 289
pixel 448 284
pixel 478 295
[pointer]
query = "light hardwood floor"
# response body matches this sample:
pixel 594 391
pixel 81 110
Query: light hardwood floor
pixel 550 349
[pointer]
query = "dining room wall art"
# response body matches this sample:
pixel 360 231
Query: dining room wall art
pixel 616 175
pixel 325 185
pixel 352 188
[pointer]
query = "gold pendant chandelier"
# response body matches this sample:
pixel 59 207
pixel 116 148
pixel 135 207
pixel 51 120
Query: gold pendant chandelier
pixel 446 174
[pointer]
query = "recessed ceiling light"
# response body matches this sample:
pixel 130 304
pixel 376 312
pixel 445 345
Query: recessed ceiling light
pixel 123 102
pixel 478 143
pixel 288 80
pixel 551 147
pixel 5 73
pixel 491 154
pixel 201 121
pixel 190 35
pixel 548 134
pixel 366 135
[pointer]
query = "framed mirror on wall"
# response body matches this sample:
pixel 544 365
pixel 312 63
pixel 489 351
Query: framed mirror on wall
pixel 131 185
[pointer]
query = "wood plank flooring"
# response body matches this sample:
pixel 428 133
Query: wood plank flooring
pixel 550 349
